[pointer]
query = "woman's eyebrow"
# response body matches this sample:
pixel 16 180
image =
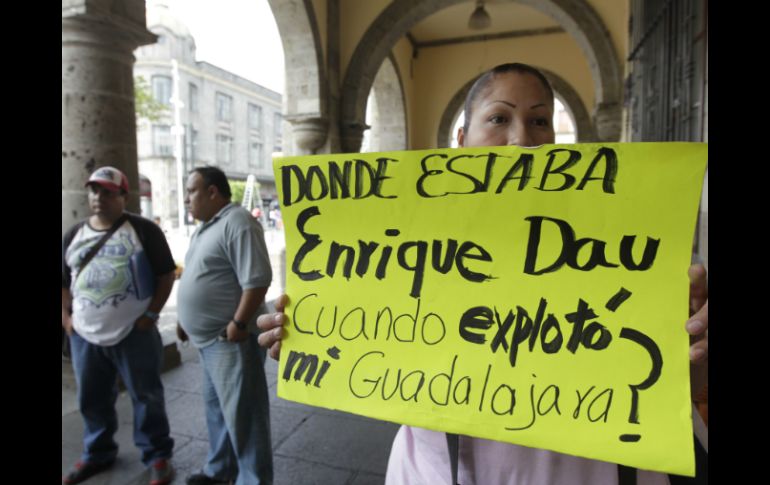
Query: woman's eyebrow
pixel 504 102
pixel 538 105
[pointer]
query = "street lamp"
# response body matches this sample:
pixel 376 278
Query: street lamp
pixel 178 132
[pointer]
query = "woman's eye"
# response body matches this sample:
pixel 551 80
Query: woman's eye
pixel 497 119
pixel 540 122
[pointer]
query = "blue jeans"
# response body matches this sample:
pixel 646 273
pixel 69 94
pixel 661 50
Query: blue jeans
pixel 237 412
pixel 138 359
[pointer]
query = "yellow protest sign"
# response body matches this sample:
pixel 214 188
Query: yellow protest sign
pixel 531 296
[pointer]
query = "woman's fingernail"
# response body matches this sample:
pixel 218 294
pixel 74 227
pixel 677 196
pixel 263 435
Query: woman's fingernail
pixel 695 326
pixel 277 318
pixel 696 354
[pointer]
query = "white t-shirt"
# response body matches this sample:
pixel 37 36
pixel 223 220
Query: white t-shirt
pixel 104 295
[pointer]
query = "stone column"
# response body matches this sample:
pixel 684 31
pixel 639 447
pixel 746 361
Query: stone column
pixel 608 121
pixel 98 116
pixel 309 133
pixel 333 73
pixel 351 136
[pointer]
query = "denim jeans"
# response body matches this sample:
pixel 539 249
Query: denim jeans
pixel 138 359
pixel 237 412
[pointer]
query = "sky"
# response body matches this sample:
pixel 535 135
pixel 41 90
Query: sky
pixel 239 36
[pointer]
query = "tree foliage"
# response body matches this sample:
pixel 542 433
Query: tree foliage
pixel 147 107
pixel 237 188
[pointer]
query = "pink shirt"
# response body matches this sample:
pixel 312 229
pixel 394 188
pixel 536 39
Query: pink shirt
pixel 420 457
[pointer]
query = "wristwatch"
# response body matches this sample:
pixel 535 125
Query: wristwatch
pixel 151 315
pixel 239 324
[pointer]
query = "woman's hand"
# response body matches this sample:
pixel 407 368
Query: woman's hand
pixel 271 325
pixel 697 326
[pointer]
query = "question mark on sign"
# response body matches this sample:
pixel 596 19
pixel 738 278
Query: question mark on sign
pixel 657 363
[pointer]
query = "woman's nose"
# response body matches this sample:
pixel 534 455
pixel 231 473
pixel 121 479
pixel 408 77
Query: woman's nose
pixel 519 135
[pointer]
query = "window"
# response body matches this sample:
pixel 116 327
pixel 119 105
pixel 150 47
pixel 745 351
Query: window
pixel 277 138
pixel 162 144
pixel 255 117
pixel 193 98
pixel 224 149
pixel 255 154
pixel 161 89
pixel 193 145
pixel 224 107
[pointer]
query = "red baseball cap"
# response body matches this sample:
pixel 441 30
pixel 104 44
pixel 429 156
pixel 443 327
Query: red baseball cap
pixel 110 178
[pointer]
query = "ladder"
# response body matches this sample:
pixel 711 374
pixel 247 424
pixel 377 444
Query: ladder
pixel 248 192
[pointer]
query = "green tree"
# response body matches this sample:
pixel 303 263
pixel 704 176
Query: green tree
pixel 237 188
pixel 146 105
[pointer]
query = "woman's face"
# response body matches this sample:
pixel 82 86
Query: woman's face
pixel 513 109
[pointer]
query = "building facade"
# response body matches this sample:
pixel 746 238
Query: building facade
pixel 220 119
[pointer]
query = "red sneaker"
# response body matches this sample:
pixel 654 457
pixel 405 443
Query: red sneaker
pixel 83 470
pixel 161 472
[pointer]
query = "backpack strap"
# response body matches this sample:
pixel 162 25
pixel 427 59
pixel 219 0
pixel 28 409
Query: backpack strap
pixel 626 475
pixel 96 247
pixel 453 444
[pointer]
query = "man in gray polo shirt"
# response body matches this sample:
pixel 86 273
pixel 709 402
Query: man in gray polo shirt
pixel 221 293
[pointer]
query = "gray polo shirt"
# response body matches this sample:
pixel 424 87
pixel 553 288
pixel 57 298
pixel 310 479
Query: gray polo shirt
pixel 227 254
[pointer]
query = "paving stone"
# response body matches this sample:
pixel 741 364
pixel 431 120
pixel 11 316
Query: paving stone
pixel 125 409
pixel 70 453
pixel 363 478
pixel 72 429
pixel 283 422
pixel 172 395
pixel 341 442
pixel 276 401
pixel 190 457
pixel 69 401
pixel 290 471
pixel 186 416
pixel 185 378
pixel 181 442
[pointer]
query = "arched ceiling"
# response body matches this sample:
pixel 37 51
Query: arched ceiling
pixel 438 23
pixel 452 22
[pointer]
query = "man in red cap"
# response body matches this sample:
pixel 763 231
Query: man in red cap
pixel 117 273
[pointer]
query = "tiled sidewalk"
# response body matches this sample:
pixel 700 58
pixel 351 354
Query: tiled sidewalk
pixel 310 445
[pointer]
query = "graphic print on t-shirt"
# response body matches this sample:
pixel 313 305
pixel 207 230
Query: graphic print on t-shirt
pixel 107 278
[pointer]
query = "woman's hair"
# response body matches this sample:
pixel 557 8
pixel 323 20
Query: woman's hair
pixel 216 177
pixel 483 81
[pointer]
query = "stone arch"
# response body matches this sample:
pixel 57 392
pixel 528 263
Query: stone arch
pixel 562 89
pixel 451 112
pixel 584 129
pixel 388 130
pixel 577 17
pixel 304 102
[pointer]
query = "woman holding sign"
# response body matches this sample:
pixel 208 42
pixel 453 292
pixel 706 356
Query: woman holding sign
pixel 511 104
